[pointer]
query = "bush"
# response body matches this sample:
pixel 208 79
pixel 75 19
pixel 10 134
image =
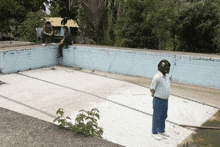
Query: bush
pixel 123 42
pixel 131 29
pixel 27 28
pixel 161 18
pixel 85 122
pixel 197 27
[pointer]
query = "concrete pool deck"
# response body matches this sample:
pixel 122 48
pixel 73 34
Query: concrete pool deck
pixel 125 108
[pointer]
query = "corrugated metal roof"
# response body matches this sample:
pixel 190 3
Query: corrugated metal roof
pixel 56 21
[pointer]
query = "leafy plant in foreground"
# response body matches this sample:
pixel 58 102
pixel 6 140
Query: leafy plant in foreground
pixel 85 122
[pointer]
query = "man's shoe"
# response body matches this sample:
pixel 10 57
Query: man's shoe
pixel 164 134
pixel 59 56
pixel 43 44
pixel 157 136
pixel 54 43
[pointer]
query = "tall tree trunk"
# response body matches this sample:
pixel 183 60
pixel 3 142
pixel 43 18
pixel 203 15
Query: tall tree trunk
pixel 94 10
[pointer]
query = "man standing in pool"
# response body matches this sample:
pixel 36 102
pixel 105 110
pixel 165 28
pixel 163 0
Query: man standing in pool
pixel 67 40
pixel 160 89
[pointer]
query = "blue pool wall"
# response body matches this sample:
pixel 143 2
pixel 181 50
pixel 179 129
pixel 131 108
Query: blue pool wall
pixel 28 58
pixel 186 69
pixel 203 71
pixel 1 61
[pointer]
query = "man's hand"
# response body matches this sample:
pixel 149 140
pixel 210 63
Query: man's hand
pixel 51 33
pixel 46 33
pixel 152 92
pixel 61 41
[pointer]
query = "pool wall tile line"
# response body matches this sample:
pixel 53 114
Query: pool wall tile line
pixel 186 69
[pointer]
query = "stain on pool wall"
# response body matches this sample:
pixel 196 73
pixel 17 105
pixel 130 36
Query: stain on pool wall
pixel 185 69
pixel 24 59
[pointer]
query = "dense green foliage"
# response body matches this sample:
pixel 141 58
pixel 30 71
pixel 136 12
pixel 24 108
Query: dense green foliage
pixel 54 10
pixel 184 25
pixel 168 25
pixel 131 29
pixel 161 18
pixel 26 30
pixel 14 12
pixel 145 24
pixel 197 26
pixel 60 8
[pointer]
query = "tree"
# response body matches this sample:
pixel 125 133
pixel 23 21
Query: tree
pixel 95 18
pixel 162 19
pixel 94 10
pixel 63 10
pixel 27 28
pixel 108 12
pixel 8 9
pixel 113 12
pixel 131 29
pixel 198 26
pixel 17 10
pixel 54 11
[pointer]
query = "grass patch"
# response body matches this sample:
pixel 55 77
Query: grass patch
pixel 208 138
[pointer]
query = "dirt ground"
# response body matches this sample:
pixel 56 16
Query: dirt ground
pixel 21 130
pixel 18 130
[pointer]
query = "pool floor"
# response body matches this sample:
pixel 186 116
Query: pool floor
pixel 125 108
